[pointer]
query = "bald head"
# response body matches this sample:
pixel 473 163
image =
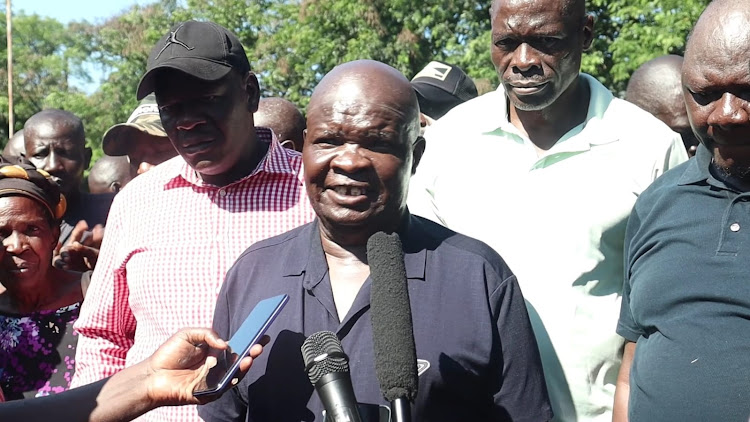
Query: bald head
pixel 284 118
pixel 721 26
pixel 109 174
pixel 15 146
pixel 714 76
pixel 656 86
pixel 362 145
pixel 368 83
pixel 56 142
pixel 53 120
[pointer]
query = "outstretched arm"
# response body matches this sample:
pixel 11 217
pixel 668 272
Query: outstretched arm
pixel 167 378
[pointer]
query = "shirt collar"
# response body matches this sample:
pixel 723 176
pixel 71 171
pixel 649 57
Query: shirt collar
pixel 697 168
pixel 276 160
pixel 309 258
pixel 590 132
pixel 698 171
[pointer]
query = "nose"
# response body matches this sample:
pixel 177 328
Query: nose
pixel 525 58
pixel 350 159
pixel 187 119
pixel 53 164
pixel 15 243
pixel 729 110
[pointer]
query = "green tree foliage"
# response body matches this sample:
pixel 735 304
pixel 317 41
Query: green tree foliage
pixel 293 43
pixel 631 32
pixel 44 57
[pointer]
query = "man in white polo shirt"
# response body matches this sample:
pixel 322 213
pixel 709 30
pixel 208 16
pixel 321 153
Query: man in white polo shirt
pixel 546 170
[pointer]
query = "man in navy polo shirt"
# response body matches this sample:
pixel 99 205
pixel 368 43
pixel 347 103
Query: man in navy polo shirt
pixel 686 299
pixel 362 144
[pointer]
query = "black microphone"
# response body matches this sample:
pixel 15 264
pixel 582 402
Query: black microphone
pixel 327 366
pixel 392 327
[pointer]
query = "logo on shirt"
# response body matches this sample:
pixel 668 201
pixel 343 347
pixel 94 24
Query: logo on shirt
pixel 422 366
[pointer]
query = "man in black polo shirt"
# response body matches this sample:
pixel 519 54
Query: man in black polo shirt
pixel 470 323
pixel 686 299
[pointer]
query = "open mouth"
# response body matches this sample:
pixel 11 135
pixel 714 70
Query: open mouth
pixel 19 268
pixel 350 190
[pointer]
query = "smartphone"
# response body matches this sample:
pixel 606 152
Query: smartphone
pixel 252 329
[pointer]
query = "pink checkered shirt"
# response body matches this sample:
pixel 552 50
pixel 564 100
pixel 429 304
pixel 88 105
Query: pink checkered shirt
pixel 170 241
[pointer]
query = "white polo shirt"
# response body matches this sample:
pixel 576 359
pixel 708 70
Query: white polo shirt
pixel 557 219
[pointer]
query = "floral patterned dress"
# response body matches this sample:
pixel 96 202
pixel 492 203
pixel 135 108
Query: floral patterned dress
pixel 37 352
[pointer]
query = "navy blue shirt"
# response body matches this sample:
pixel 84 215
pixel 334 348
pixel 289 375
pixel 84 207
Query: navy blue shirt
pixel 686 298
pixel 470 324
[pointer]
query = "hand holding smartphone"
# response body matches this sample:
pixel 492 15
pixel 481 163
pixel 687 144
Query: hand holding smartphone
pixel 250 332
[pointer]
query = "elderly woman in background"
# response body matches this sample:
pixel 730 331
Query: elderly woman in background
pixel 41 302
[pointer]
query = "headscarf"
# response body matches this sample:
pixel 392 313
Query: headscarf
pixel 26 180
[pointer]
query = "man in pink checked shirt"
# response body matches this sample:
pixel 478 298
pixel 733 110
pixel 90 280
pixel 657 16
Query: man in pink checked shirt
pixel 173 232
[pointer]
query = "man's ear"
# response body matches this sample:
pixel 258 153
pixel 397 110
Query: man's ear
pixel 417 152
pixel 253 92
pixel 56 237
pixel 588 31
pixel 86 157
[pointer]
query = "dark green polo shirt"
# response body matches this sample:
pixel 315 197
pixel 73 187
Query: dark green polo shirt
pixel 686 298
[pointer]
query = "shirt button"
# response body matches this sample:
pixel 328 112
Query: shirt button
pixel 222 193
pixel 735 227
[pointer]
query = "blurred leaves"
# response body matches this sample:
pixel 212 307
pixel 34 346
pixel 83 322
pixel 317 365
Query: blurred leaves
pixel 291 44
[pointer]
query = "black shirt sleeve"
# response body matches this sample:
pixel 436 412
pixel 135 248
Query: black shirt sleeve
pixel 522 391
pixel 626 325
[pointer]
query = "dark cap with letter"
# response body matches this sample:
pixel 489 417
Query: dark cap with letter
pixel 440 87
pixel 204 50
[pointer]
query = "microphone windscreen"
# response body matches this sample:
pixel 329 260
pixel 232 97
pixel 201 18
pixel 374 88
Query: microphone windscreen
pixel 390 311
pixel 323 354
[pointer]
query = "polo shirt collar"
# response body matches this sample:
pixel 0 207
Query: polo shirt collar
pixel 591 132
pixel 311 259
pixel 697 168
pixel 276 160
pixel 698 171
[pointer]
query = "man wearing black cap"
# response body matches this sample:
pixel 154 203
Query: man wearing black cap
pixel 440 87
pixel 141 139
pixel 174 232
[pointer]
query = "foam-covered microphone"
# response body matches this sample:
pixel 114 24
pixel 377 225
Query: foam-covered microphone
pixel 392 327
pixel 327 366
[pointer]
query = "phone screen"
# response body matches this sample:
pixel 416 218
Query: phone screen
pixel 252 329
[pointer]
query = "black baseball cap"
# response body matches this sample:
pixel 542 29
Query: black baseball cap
pixel 440 87
pixel 204 50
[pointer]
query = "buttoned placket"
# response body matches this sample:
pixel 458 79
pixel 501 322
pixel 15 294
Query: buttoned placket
pixel 735 225
pixel 219 207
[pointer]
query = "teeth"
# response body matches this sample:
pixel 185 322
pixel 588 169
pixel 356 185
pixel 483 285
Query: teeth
pixel 349 190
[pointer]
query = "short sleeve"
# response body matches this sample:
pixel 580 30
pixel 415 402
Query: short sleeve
pixel 626 325
pixel 106 323
pixel 522 393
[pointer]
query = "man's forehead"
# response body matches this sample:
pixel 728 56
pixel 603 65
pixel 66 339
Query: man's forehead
pixel 531 13
pixel 357 111
pixel 54 134
pixel 717 51
pixel 719 34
